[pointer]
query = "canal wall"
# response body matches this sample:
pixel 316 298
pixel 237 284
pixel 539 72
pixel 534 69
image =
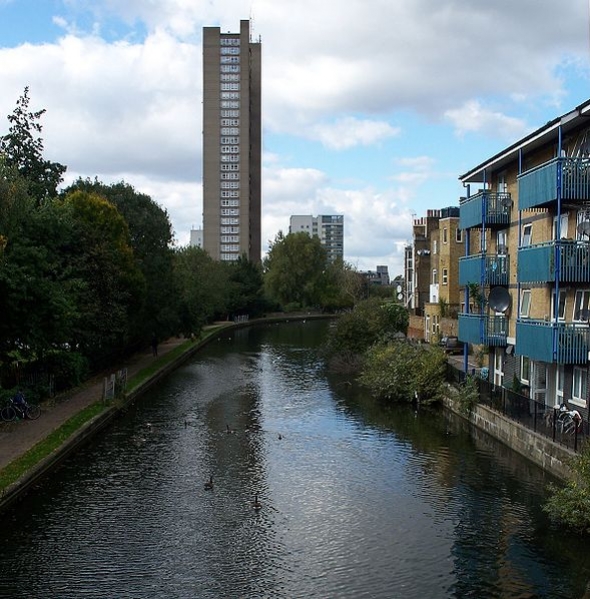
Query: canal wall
pixel 540 450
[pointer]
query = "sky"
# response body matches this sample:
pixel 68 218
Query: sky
pixel 371 108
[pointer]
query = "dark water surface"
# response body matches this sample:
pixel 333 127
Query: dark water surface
pixel 358 501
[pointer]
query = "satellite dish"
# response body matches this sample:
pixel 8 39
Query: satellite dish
pixel 499 299
pixel 506 202
pixel 584 228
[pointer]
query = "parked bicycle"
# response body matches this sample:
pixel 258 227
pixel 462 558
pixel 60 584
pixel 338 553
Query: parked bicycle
pixel 566 421
pixel 18 407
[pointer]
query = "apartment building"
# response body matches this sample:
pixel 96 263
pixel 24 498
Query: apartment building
pixel 431 271
pixel 328 227
pixel 526 276
pixel 232 144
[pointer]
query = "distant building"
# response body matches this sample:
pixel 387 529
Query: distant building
pixel 378 277
pixel 431 270
pixel 328 227
pixel 232 143
pixel 196 239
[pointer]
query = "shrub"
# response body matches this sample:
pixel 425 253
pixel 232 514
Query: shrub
pixel 401 371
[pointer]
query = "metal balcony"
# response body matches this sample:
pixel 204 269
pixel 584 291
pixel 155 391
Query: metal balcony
pixel 493 269
pixel 486 207
pixel 540 185
pixel 560 343
pixel 569 261
pixel 483 329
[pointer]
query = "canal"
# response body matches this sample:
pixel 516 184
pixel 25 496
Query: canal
pixel 358 500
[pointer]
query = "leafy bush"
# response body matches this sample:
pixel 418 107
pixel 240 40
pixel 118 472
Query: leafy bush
pixel 401 371
pixel 467 395
pixel 570 505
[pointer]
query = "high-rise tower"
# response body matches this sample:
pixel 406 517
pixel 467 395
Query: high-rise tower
pixel 232 144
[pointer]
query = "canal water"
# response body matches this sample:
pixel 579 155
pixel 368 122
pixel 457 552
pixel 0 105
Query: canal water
pixel 358 500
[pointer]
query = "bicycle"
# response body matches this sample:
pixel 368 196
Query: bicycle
pixel 11 411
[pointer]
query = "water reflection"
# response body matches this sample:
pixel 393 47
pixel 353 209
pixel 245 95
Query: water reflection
pixel 358 499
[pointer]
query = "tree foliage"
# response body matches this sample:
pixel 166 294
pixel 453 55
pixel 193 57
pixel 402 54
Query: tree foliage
pixel 400 371
pixel 23 149
pixel 295 270
pixel 569 505
pixel 151 238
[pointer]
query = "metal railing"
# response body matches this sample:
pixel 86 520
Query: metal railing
pixel 534 415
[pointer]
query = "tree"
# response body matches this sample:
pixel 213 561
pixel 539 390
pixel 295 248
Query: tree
pixel 110 287
pixel 246 287
pixel 294 270
pixel 202 285
pixel 24 150
pixel 151 237
pixel 400 371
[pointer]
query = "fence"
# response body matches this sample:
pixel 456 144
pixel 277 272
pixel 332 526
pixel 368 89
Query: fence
pixel 536 416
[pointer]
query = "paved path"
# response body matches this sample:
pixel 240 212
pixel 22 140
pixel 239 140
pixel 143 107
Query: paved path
pixel 16 438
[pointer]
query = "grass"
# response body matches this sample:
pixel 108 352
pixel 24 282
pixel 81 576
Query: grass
pixel 19 467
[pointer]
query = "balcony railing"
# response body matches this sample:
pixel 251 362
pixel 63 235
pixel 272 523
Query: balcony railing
pixel 542 262
pixel 483 329
pixel 561 343
pixel 540 185
pixel 486 207
pixel 494 268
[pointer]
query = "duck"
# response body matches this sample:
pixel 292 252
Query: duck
pixel 256 505
pixel 280 436
pixel 209 484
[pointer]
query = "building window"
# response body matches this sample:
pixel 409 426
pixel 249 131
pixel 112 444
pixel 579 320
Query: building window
pixel 561 305
pixel 230 77
pixel 527 234
pixel 445 276
pixel 435 247
pixel 581 305
pixel 525 370
pixel 579 385
pixel 444 240
pixel 525 303
pixel 230 68
pixel 459 235
pixel 434 276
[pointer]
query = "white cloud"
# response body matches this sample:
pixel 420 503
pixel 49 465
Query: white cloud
pixel 472 117
pixel 350 131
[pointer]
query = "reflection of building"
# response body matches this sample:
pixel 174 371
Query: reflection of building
pixel 231 144
pixel 431 269
pixel 526 277
pixel 328 227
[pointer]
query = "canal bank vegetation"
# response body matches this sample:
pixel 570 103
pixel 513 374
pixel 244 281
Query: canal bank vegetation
pixel 370 342
pixel 569 505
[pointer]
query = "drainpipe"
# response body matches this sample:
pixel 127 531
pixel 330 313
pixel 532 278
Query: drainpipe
pixel 556 249
pixel 466 291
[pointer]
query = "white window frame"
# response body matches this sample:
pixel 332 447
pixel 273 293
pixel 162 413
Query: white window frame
pixel 445 276
pixel 581 302
pixel 561 306
pixel 527 234
pixel 459 235
pixel 579 386
pixel 525 307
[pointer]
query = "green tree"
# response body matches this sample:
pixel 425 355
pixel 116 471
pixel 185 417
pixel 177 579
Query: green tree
pixel 400 371
pixel 246 288
pixel 294 270
pixel 569 505
pixel 23 149
pixel 109 285
pixel 202 285
pixel 151 237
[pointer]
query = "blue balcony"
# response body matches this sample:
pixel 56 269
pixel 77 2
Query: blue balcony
pixel 540 186
pixel 494 268
pixel 569 261
pixel 486 207
pixel 483 329
pixel 561 343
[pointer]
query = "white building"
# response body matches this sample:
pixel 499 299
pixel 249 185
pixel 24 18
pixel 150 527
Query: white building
pixel 328 227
